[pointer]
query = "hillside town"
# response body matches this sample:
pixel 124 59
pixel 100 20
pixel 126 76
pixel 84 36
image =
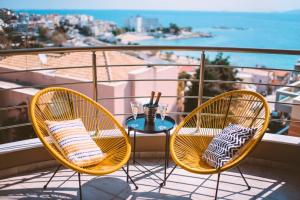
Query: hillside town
pixel 24 30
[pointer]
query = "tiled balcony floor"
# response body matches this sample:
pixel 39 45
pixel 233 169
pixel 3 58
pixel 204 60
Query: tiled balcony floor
pixel 267 183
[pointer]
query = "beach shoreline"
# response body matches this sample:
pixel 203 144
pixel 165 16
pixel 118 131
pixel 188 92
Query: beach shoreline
pixel 189 35
pixel 133 37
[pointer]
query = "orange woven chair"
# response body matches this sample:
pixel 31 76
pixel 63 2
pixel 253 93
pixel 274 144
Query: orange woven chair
pixel 193 135
pixel 59 104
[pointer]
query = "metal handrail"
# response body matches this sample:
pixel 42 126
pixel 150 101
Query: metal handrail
pixel 12 107
pixel 128 114
pixel 94 67
pixel 258 68
pixel 250 83
pixel 149 65
pixel 140 97
pixel 148 48
pixel 43 69
pixel 46 85
pixel 14 126
pixel 150 80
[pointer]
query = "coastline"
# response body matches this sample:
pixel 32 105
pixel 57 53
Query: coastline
pixel 189 35
pixel 133 37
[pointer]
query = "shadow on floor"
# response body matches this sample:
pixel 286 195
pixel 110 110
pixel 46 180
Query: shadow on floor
pixel 267 183
pixel 37 193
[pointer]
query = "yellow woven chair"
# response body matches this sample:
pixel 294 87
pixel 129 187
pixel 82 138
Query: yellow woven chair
pixel 57 104
pixel 193 135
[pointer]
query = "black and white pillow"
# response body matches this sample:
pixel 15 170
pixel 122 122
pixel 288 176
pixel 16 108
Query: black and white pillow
pixel 226 143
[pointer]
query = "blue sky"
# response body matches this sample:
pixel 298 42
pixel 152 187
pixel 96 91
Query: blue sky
pixel 203 5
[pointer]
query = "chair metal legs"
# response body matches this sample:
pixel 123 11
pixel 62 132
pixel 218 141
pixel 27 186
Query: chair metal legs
pixel 79 180
pixel 216 195
pixel 59 166
pixel 45 186
pixel 136 187
pixel 80 191
pixel 243 178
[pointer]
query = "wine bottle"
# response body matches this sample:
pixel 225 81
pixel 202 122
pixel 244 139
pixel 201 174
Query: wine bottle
pixel 152 97
pixel 157 98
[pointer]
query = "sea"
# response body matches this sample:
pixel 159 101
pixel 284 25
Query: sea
pixel 274 30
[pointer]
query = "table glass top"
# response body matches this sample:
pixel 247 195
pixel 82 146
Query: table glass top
pixel 159 125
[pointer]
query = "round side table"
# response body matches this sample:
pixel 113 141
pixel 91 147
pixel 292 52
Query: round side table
pixel 159 126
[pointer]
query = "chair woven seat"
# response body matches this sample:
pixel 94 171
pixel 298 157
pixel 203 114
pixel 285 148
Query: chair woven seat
pixel 193 135
pixel 59 104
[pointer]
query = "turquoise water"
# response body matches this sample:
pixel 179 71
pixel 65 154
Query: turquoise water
pixel 261 30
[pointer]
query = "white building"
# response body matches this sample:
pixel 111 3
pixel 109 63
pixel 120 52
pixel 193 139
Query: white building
pixel 261 77
pixel 150 24
pixel 107 37
pixel 142 24
pixel 71 20
pixel 2 24
pixel 19 27
pixel 98 27
pixel 23 17
pixel 84 20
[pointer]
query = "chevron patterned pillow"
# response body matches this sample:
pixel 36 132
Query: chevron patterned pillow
pixel 226 143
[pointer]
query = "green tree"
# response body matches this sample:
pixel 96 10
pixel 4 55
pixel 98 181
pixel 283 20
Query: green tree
pixel 5 43
pixel 43 33
pixel 277 124
pixel 180 92
pixel 59 36
pixel 118 31
pixel 174 28
pixel 189 28
pixel 85 30
pixel 214 88
pixel 169 55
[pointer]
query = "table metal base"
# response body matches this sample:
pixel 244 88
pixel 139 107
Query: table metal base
pixel 146 170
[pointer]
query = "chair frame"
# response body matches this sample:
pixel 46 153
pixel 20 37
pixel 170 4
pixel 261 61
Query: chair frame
pixel 58 157
pixel 236 161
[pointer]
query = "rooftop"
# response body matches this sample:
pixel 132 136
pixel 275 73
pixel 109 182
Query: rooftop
pixel 77 59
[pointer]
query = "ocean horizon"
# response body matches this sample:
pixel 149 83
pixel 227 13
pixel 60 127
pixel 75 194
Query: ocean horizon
pixel 266 30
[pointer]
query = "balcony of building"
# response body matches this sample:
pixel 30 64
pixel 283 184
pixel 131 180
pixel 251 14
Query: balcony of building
pixel 114 76
pixel 286 95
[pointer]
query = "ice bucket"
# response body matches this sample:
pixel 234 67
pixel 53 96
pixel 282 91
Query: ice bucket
pixel 150 112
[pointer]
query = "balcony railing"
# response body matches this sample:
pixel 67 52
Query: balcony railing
pixel 95 81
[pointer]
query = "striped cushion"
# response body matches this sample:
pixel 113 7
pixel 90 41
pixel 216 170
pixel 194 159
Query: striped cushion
pixel 226 143
pixel 74 142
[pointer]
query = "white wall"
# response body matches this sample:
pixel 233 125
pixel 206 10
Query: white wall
pixel 167 88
